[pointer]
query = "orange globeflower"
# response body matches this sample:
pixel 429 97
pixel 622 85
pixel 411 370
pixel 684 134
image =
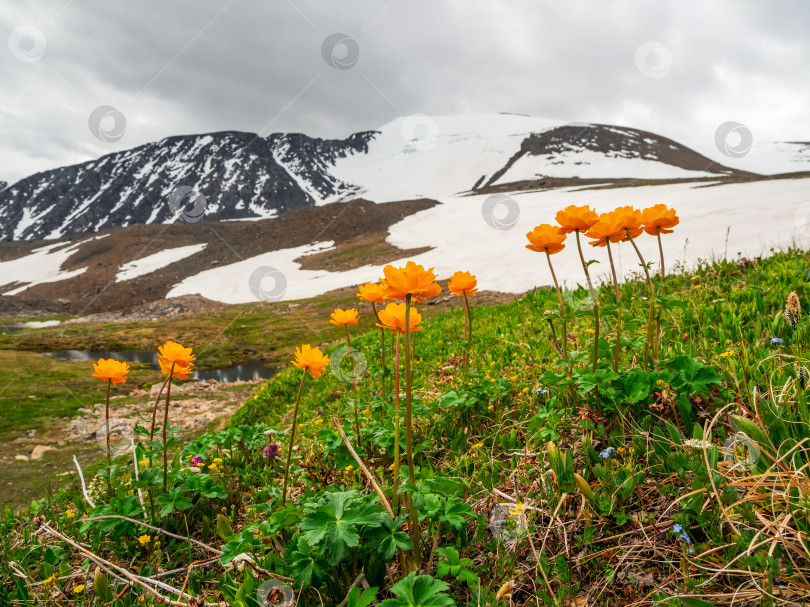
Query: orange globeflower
pixel 657 219
pixel 392 317
pixel 344 317
pixel 181 373
pixel 546 238
pixel 461 283
pixel 111 370
pixel 412 280
pixel 573 218
pixel 372 292
pixel 629 220
pixel 608 228
pixel 310 359
pixel 172 352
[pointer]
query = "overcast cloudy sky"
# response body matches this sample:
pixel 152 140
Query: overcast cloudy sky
pixel 678 68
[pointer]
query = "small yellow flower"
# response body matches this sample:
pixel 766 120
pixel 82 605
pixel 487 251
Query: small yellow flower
pixel 524 390
pixel 513 378
pixel 696 287
pixel 366 411
pixel 490 407
pixel 391 467
pixel 589 331
pixel 217 460
pixel 318 421
pixel 728 341
pixel 661 383
pixel 224 509
pixel 478 446
pixel 157 544
pixel 50 580
pixel 144 540
pixel 69 513
pixel 517 509
pixel 143 463
pixel 620 450
pixel 349 468
pixel 250 510
pixel 78 589
pixel 726 354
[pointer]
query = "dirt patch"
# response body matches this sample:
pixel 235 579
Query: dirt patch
pixel 367 249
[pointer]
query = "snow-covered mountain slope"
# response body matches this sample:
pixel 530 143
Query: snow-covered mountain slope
pixel 774 157
pixel 756 216
pixel 233 175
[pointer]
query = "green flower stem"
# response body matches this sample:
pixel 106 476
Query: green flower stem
pixel 382 350
pixel 355 387
pixel 154 414
pixel 415 531
pixel 396 425
pixel 292 438
pixel 107 421
pixel 468 332
pixel 165 430
pixel 562 307
pixel 595 304
pixel 618 309
pixel 652 304
pixel 657 343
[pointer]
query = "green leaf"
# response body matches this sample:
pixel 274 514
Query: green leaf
pixel 419 591
pixel 391 537
pixel 224 528
pixel 357 599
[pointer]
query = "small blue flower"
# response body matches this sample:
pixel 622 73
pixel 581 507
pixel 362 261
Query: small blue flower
pixel 539 391
pixel 676 528
pixel 775 341
pixel 607 452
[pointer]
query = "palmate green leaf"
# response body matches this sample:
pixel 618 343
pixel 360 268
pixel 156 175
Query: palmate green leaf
pixel 419 591
pixel 455 513
pixel 391 537
pixel 337 522
pixel 307 565
pixel 637 386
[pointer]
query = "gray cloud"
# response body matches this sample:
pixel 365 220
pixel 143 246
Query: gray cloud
pixel 189 66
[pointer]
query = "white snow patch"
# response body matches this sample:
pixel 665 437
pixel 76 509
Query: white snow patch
pixel 760 215
pixel 41 266
pixel 156 261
